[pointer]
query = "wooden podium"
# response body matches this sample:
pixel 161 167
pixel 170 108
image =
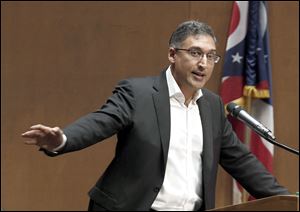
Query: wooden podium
pixel 274 203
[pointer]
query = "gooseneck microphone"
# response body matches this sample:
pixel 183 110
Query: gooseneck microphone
pixel 239 113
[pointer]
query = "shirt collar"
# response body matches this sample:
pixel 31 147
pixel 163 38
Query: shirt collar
pixel 174 90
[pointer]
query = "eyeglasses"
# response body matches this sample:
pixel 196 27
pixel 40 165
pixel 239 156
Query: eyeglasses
pixel 198 54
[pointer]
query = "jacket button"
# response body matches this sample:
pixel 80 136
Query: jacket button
pixel 156 189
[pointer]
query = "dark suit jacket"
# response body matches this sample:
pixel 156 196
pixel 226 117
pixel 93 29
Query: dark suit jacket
pixel 139 112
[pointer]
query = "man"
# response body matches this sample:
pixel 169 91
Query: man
pixel 172 134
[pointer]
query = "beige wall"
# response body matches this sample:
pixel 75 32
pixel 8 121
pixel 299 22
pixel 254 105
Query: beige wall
pixel 61 60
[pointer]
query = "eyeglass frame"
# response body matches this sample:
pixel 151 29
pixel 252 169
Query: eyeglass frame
pixel 215 60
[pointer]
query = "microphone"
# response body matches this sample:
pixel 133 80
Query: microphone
pixel 238 112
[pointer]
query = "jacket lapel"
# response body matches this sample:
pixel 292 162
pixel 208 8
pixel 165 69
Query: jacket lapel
pixel 207 154
pixel 162 108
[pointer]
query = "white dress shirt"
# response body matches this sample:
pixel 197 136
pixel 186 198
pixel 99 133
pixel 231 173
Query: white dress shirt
pixel 182 186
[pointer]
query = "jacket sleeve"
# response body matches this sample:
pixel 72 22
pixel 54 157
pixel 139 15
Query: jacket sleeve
pixel 239 162
pixel 112 117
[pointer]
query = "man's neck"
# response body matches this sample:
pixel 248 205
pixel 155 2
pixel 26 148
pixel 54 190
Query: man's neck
pixel 188 95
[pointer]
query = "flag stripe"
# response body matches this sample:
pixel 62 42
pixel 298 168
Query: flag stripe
pixel 235 18
pixel 240 31
pixel 247 74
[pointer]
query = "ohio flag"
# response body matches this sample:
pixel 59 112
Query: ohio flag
pixel 247 76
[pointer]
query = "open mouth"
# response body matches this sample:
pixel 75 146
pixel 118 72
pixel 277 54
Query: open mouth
pixel 198 75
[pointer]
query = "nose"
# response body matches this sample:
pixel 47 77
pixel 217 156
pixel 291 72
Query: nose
pixel 203 61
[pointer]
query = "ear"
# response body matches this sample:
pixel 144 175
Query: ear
pixel 171 55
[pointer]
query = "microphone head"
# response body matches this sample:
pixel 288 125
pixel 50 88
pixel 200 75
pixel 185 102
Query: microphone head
pixel 233 109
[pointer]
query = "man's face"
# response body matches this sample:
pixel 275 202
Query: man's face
pixel 191 72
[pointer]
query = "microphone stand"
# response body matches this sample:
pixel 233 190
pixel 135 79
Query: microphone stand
pixel 271 140
pixel 267 135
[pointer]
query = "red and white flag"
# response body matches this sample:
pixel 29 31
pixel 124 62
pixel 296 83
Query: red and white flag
pixel 247 77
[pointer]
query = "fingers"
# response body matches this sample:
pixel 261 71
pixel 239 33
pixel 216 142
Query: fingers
pixel 31 141
pixel 47 130
pixel 40 134
pixel 32 137
pixel 33 134
pixel 57 130
pixel 42 128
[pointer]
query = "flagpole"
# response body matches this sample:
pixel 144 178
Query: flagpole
pixel 248 102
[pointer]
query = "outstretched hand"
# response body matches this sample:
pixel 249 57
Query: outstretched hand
pixel 43 136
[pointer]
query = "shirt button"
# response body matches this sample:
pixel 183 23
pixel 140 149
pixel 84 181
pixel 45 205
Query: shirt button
pixel 156 189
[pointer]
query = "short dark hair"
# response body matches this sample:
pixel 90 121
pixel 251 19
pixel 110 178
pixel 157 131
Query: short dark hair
pixel 189 28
